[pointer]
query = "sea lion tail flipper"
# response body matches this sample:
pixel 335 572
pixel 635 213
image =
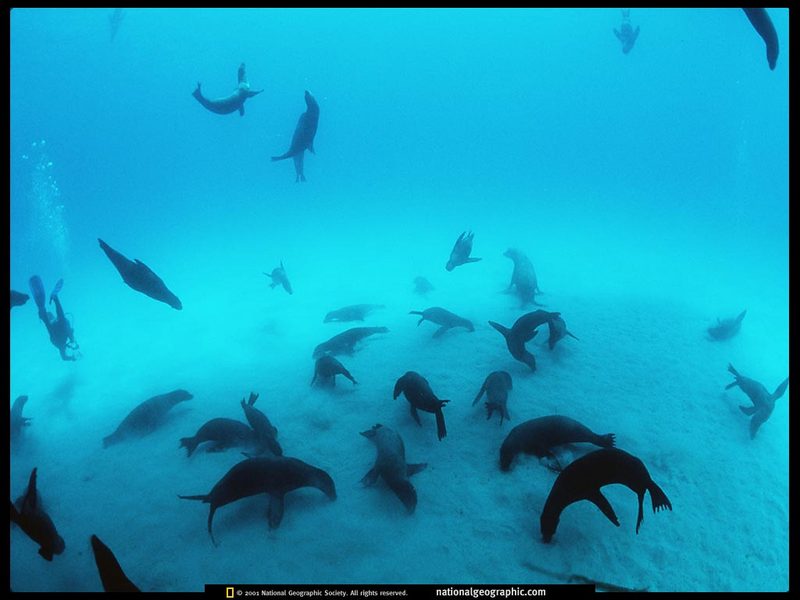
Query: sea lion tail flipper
pixel 733 371
pixel 617 33
pixel 190 443
pixel 202 497
pixel 252 399
pixel 275 511
pixel 30 501
pixel 748 410
pixel 210 521
pixel 572 336
pixel 659 498
pixel 406 492
pixel 480 393
pixel 441 331
pixel 732 384
pixel 441 430
pixel 371 477
pixel 602 503
pixel 281 157
pixel 241 110
pixel 503 330
pixel 741 316
pixel 469 260
pixel 415 468
pixel 780 390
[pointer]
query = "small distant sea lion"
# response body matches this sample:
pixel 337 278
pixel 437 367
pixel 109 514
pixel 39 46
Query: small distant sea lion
pixel 759 19
pixel 355 312
pixel 16 420
pixel 442 317
pixel 232 103
pixel 140 277
pixel 111 574
pixel 275 476
pixel 115 20
pixel 146 417
pixel 496 387
pixel 523 277
pixel 583 478
pixel 224 433
pixel 279 277
pixel 420 396
pixel 266 433
pixel 326 369
pixel 18 298
pixel 345 342
pixel 763 401
pixel 627 35
pixel 303 138
pixel 726 328
pixel 31 517
pixel 459 255
pixel 539 436
pixel 523 331
pixel 422 286
pixel 558 330
pixel 390 463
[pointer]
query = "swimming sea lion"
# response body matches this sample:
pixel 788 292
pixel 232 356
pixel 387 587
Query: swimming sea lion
pixel 420 396
pixel 583 478
pixel 344 343
pixel 228 104
pixel 115 20
pixel 390 463
pixel 327 368
pixel 763 401
pixel 111 574
pixel 355 312
pixel 626 35
pixel 146 417
pixel 496 387
pixel 760 20
pixel 279 277
pixel 225 433
pixel 16 420
pixel 275 476
pixel 422 286
pixel 444 318
pixel 726 328
pixel 303 138
pixel 524 277
pixel 558 330
pixel 31 517
pixel 266 433
pixel 18 298
pixel 523 331
pixel 140 277
pixel 459 255
pixel 539 436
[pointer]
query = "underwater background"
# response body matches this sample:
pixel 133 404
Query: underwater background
pixel 649 189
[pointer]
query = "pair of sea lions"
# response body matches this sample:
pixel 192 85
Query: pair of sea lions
pixel 524 330
pixel 763 401
pixel 231 103
pixel 444 318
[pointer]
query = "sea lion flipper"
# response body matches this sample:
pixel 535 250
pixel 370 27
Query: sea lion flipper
pixel 405 492
pixel 241 110
pixel 658 497
pixel 275 511
pixel 748 410
pixel 29 502
pixel 441 430
pixel 617 33
pixel 439 332
pixel 415 414
pixel 415 468
pixel 603 504
pixel 780 390
pixel 371 477
pixel 480 393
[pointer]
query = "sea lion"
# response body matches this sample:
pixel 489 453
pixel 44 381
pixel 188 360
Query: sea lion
pixel 115 20
pixel 558 330
pixel 228 104
pixel 524 277
pixel 726 328
pixel 523 331
pixel 420 396
pixel 496 386
pixel 344 343
pixel 275 476
pixel 31 517
pixel 60 330
pixel 422 286
pixel 279 277
pixel 539 436
pixel 759 19
pixel 459 255
pixel 18 298
pixel 303 138
pixel 763 401
pixel 146 417
pixel 111 574
pixel 225 433
pixel 583 478
pixel 442 317
pixel 626 35
pixel 326 369
pixel 390 463
pixel 140 277
pixel 355 312
pixel 16 420
pixel 266 433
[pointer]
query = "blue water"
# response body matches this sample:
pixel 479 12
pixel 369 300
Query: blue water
pixel 650 190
